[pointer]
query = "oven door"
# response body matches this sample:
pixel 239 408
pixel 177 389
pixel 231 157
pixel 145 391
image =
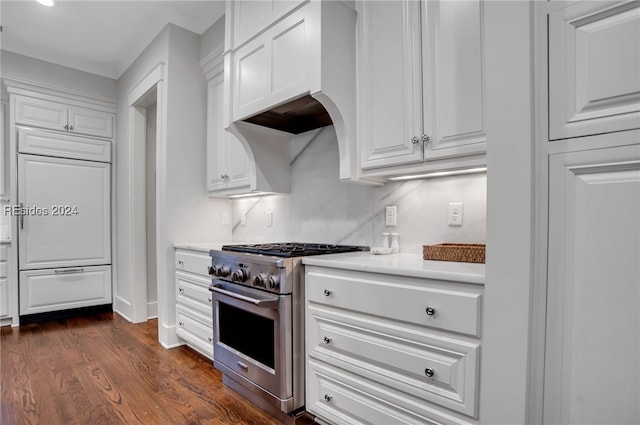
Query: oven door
pixel 252 336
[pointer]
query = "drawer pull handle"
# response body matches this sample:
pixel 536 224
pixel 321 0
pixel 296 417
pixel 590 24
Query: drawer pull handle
pixel 429 372
pixel 181 324
pixel 209 299
pixel 326 340
pixel 69 271
pixel 210 339
pixel 242 366
pixel 327 398
pixel 181 290
pixel 327 292
pixel 180 263
pixel 430 311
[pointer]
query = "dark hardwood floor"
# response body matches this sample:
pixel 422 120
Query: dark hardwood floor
pixel 101 369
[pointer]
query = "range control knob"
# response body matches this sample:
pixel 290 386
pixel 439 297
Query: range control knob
pixel 274 281
pixel 239 275
pixel 221 271
pixel 260 280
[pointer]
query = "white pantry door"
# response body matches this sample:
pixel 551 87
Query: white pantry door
pixel 72 227
pixel 592 371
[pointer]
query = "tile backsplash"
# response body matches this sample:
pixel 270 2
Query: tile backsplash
pixel 321 208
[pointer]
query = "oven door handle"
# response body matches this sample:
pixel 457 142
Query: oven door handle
pixel 267 302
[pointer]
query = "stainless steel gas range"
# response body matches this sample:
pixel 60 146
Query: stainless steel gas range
pixel 258 318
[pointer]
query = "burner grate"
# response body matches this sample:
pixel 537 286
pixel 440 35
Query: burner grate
pixel 293 249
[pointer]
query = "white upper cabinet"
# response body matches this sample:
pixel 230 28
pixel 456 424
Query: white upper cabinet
pixel 421 92
pixel 594 88
pixel 228 164
pixel 57 116
pixel 4 146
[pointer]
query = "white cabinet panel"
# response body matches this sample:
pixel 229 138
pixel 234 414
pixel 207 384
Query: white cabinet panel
pixel 60 289
pixel 594 69
pixel 41 113
pixel 389 95
pixel 87 121
pixel 4 297
pixel 193 262
pixel 48 143
pixel 592 370
pixel 251 17
pixel 253 81
pixel 4 152
pixel 453 74
pixel 75 231
pixel 288 47
pixel 196 329
pixel 193 291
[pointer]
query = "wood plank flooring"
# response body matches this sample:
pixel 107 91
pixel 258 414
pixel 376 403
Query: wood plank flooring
pixel 101 369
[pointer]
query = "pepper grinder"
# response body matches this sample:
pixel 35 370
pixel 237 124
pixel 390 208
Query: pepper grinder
pixel 395 246
pixel 385 240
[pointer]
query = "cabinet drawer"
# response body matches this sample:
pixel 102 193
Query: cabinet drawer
pixel 418 301
pixel 4 298
pixel 193 292
pixel 342 397
pixel 40 113
pixel 62 289
pixel 195 330
pixel 63 145
pixel 193 262
pixel 3 253
pixel 438 369
pixel 3 269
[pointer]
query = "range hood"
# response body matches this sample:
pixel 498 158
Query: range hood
pixel 295 75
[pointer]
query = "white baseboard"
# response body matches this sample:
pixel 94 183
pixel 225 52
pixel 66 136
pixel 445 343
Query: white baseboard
pixel 152 310
pixel 168 337
pixel 123 308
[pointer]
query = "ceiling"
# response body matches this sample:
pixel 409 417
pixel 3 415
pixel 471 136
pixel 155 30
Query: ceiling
pixel 97 36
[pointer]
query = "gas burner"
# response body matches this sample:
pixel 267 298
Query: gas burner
pixel 293 249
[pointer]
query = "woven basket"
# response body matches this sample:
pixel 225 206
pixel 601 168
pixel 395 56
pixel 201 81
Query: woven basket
pixel 463 252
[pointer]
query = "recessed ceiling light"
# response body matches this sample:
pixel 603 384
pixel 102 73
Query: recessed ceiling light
pixel 46 2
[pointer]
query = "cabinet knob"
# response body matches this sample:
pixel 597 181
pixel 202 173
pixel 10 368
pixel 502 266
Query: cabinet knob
pixel 327 398
pixel 415 140
pixel 71 128
pixel 66 127
pixel 425 138
pixel 326 340
pixel 181 324
pixel 180 290
pixel 210 339
pixel 209 299
pixel 327 292
pixel 429 372
pixel 430 311
pixel 180 263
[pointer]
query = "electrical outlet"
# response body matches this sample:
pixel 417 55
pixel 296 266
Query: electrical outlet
pixel 243 218
pixel 455 213
pixel 391 215
pixel 269 218
pixel 225 219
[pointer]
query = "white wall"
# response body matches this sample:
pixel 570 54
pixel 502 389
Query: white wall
pixel 56 76
pixel 321 208
pixel 188 214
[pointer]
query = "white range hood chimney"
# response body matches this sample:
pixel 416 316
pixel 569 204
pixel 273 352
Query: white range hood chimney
pixel 289 68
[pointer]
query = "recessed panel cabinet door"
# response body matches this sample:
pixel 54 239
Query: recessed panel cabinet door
pixel 592 361
pixel 67 217
pixel 390 92
pixel 594 88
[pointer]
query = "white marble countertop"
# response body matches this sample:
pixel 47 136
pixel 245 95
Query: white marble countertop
pixel 411 265
pixel 199 246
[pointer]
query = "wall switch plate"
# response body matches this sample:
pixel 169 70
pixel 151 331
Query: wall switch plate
pixel 391 215
pixel 269 218
pixel 455 213
pixel 225 219
pixel 243 218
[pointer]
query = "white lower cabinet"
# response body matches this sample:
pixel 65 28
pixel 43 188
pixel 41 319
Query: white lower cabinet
pixel 194 316
pixel 404 351
pixel 4 289
pixel 47 290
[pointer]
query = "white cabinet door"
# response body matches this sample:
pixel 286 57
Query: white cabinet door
pixel 41 113
pixel 453 74
pixel 4 151
pixel 72 227
pixel 592 370
pixel 227 159
pixel 594 69
pixel 389 69
pixel 88 121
